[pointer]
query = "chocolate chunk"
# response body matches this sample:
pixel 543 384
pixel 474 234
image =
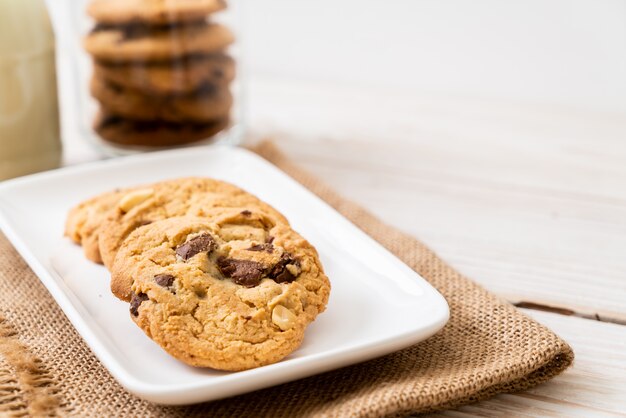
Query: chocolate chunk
pixel 135 301
pixel 205 89
pixel 110 120
pixel 280 273
pixel 269 240
pixel 268 248
pixel 244 272
pixel 204 242
pixel 218 73
pixel 165 280
pixel 114 87
pixel 246 212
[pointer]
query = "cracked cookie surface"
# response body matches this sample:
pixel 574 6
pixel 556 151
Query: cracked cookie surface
pixel 84 220
pixel 231 293
pixel 193 196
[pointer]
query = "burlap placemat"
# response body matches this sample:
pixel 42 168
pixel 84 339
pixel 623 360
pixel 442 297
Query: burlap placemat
pixel 488 347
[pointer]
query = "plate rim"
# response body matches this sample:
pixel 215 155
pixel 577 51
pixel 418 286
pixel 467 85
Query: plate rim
pixel 253 379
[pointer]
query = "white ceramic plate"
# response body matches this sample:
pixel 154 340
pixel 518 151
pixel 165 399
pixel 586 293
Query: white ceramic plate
pixel 377 304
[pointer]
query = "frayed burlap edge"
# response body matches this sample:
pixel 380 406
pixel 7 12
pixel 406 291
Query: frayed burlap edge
pixel 26 387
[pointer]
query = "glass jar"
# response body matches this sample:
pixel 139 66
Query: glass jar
pixel 153 75
pixel 29 115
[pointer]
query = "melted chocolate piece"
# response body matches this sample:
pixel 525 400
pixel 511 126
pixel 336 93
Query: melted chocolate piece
pixel 269 240
pixel 244 272
pixel 268 248
pixel 280 273
pixel 218 73
pixel 135 301
pixel 165 280
pixel 116 88
pixel 110 120
pixel 204 242
pixel 246 212
pixel 208 89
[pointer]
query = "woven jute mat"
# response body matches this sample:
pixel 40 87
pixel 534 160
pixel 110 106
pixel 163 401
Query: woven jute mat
pixel 488 347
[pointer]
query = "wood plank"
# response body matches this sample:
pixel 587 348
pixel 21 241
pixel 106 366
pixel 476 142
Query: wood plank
pixel 594 386
pixel 531 209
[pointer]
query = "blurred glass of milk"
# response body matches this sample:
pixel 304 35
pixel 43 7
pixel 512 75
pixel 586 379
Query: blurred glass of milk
pixel 29 114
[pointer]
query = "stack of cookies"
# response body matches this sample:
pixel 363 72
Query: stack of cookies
pixel 212 274
pixel 161 73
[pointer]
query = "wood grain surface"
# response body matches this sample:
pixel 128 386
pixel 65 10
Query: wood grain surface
pixel 528 200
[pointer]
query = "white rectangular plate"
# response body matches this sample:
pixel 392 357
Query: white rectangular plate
pixel 377 303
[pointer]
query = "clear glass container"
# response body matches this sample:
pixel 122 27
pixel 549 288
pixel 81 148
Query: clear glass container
pixel 152 75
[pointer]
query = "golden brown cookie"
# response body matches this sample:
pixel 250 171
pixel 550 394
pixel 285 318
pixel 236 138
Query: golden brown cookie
pixel 131 133
pixel 84 220
pixel 231 293
pixel 192 196
pixel 184 75
pixel 149 43
pixel 206 104
pixel 152 11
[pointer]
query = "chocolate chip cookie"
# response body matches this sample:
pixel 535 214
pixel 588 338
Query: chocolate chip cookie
pixel 151 11
pixel 139 133
pixel 84 220
pixel 147 43
pixel 184 75
pixel 207 103
pixel 232 292
pixel 194 196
